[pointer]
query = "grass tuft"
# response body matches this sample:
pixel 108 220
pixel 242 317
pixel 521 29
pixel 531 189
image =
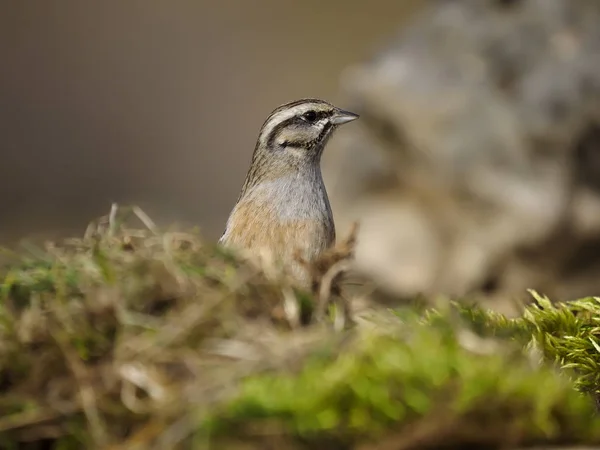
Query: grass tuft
pixel 132 337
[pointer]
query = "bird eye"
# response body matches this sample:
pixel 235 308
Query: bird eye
pixel 310 116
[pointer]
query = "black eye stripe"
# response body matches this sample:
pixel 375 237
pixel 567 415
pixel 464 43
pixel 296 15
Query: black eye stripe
pixel 320 115
pixel 297 119
pixel 278 128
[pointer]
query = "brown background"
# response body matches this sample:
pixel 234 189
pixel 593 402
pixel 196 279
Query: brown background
pixel 158 103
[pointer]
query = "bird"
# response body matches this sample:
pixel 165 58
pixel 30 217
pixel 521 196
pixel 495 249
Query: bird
pixel 283 211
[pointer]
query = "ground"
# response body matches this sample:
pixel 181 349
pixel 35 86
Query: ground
pixel 133 337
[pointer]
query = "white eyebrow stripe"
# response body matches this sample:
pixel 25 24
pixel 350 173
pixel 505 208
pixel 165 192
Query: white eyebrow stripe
pixel 282 116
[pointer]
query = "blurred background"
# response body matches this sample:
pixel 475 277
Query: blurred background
pixel 473 170
pixel 158 103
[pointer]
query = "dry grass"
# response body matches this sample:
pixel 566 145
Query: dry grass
pixel 134 338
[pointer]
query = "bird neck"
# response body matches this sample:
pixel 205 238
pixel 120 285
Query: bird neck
pixel 298 178
pixel 296 195
pixel 267 167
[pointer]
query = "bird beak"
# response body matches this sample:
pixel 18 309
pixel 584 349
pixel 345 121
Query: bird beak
pixel 340 117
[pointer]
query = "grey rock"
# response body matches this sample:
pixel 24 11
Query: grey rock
pixel 475 167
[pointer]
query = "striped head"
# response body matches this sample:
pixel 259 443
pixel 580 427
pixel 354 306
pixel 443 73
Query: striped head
pixel 302 127
pixel 294 136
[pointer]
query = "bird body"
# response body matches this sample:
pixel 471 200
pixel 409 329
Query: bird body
pixel 283 208
pixel 286 215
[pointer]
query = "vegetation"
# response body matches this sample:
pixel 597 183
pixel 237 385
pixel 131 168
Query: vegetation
pixel 147 339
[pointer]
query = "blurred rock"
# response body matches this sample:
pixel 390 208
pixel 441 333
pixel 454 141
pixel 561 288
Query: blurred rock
pixel 475 167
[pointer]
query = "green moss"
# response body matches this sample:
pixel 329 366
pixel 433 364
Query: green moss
pixel 133 335
pixel 567 333
pixel 413 374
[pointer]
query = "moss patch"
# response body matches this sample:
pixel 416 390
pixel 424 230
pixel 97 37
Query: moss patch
pixel 135 338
